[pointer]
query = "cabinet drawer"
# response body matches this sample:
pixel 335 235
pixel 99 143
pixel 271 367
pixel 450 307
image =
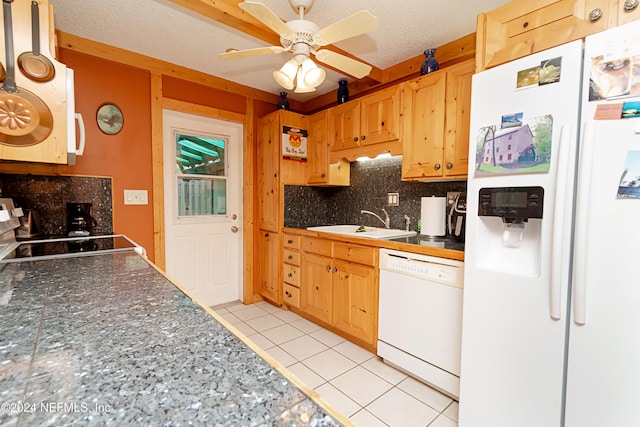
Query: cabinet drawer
pixel 291 257
pixel 291 274
pixel 522 27
pixel 291 295
pixel 317 246
pixel 291 241
pixel 359 254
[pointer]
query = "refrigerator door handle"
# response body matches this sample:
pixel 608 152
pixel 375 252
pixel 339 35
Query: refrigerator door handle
pixel 581 243
pixel 561 205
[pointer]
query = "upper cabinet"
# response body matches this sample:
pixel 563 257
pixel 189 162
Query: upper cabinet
pixel 522 27
pixel 268 172
pixel 436 126
pixel 273 169
pixel 38 114
pixel 319 171
pixel 366 126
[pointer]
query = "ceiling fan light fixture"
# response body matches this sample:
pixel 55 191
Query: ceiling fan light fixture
pixel 286 76
pixel 301 87
pixel 312 75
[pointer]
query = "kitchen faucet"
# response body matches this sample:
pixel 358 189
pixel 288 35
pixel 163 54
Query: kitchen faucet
pixel 385 221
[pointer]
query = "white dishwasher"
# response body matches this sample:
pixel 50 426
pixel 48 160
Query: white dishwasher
pixel 420 317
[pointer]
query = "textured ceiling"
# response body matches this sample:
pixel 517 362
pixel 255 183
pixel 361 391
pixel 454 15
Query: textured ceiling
pixel 166 31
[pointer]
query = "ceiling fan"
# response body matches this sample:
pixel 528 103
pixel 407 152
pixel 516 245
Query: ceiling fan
pixel 302 38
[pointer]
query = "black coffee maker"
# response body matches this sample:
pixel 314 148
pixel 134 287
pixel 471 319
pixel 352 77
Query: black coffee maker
pixel 79 219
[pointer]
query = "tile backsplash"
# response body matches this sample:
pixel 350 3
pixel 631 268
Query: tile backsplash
pixel 371 181
pixel 48 195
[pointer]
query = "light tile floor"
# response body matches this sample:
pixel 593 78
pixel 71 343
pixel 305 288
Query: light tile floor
pixel 353 380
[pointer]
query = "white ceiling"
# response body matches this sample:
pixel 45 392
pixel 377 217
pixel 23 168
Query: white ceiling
pixel 166 31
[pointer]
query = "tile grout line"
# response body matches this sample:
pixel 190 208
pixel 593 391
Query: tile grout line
pixel 357 364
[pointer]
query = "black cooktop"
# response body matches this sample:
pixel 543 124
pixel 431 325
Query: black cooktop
pixel 72 246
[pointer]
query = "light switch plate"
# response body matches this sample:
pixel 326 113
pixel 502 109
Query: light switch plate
pixel 393 199
pixel 136 197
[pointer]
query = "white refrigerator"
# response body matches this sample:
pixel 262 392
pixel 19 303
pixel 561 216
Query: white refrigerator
pixel 551 310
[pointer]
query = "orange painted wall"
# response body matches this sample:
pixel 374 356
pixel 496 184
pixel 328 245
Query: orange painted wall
pixel 126 157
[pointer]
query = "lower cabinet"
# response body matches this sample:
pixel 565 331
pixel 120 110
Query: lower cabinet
pixel 269 266
pixel 291 270
pixel 315 295
pixel 355 300
pixel 338 291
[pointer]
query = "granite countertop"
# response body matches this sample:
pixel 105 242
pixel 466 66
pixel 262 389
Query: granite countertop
pixel 107 339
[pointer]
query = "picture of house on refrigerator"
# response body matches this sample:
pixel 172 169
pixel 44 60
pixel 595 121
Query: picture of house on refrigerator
pixel 551 312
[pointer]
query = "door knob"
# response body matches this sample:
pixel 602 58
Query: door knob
pixel 234 229
pixel 234 216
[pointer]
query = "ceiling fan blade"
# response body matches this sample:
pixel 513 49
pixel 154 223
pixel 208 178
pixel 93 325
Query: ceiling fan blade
pixel 351 26
pixel 235 54
pixel 263 14
pixel 350 66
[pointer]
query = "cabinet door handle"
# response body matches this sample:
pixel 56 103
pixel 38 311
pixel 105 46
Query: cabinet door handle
pixel 290 257
pixel 629 5
pixel 355 139
pixel 595 14
pixel 335 269
pixel 290 275
pixel 266 234
pixel 289 241
pixel 449 165
pixel 363 137
pixel 328 268
pixel 437 166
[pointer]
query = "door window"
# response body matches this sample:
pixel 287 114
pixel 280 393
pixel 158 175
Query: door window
pixel 201 173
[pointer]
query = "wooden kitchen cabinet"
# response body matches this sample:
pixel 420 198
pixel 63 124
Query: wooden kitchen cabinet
pixel 522 27
pixel 40 131
pixel 355 300
pixel 340 287
pixel 627 11
pixel 436 108
pixel 272 173
pixel 269 265
pixel 316 286
pixel 291 270
pixel 366 126
pixel 320 170
pixel 268 173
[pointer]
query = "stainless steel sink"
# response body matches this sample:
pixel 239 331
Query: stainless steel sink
pixel 361 231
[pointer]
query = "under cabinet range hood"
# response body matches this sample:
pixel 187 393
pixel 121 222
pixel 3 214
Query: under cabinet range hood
pixel 38 106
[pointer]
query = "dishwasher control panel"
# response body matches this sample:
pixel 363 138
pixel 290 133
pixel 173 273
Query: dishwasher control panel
pixel 446 271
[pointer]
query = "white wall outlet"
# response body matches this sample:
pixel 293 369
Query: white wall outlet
pixel 393 199
pixel 136 197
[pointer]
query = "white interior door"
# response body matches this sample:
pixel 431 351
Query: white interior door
pixel 203 195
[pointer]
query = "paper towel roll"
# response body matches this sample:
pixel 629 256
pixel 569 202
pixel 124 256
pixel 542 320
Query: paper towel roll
pixel 433 216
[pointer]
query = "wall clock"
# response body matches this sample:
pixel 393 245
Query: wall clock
pixel 109 118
